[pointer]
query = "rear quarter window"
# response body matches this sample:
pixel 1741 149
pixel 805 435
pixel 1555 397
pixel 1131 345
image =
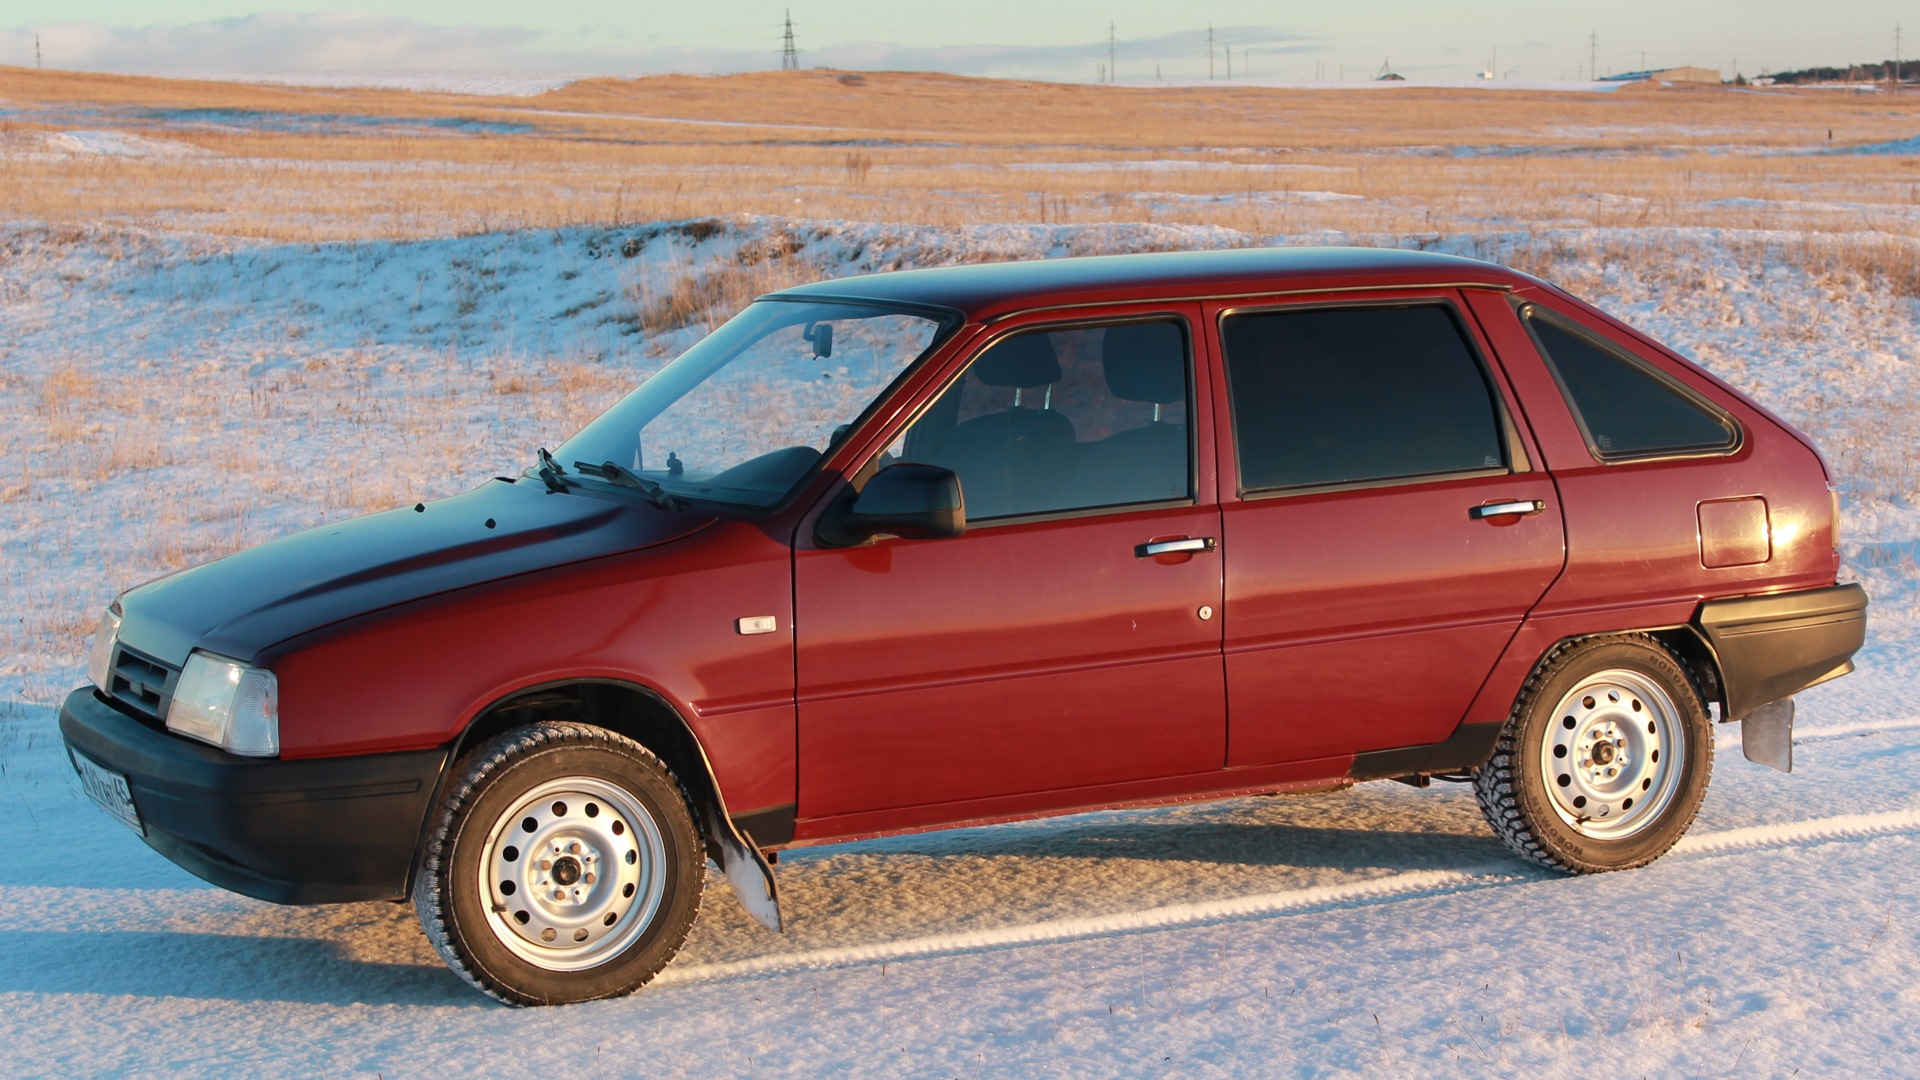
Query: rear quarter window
pixel 1626 408
pixel 1351 395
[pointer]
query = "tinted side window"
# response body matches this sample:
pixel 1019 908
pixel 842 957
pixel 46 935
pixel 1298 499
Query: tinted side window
pixel 1065 419
pixel 1342 395
pixel 1625 408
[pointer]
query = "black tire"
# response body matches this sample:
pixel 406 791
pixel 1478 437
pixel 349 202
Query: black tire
pixel 1577 782
pixel 611 874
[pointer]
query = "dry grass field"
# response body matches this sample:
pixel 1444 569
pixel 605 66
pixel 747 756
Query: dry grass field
pixel 283 163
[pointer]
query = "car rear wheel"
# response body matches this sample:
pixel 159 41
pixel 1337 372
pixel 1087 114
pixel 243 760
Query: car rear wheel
pixel 1604 760
pixel 562 866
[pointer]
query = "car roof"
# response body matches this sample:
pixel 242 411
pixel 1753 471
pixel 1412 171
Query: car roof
pixel 986 291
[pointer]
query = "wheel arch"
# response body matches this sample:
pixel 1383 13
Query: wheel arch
pixel 1684 642
pixel 644 715
pixel 1697 659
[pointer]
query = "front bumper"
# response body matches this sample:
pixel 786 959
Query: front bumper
pixel 1773 646
pixel 315 831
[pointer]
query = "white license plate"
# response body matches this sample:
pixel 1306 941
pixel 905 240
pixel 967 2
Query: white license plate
pixel 109 789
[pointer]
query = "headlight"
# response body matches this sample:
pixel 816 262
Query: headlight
pixel 227 703
pixel 102 655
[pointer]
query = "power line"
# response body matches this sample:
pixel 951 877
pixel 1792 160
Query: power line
pixel 1112 68
pixel 1593 56
pixel 789 56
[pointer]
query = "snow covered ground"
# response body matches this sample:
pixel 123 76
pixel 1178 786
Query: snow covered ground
pixel 171 398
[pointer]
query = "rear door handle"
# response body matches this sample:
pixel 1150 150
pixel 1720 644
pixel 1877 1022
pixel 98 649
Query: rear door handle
pixel 1523 507
pixel 1174 547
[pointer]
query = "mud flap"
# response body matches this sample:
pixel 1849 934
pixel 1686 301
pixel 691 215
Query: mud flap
pixel 1766 735
pixel 740 859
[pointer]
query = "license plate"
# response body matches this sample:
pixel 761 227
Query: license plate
pixel 109 789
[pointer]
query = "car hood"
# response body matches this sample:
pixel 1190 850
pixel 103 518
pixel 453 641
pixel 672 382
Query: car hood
pixel 248 601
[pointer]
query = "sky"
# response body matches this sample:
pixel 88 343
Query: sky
pixel 1060 41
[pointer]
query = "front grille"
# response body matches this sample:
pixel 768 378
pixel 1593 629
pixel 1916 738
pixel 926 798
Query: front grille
pixel 141 682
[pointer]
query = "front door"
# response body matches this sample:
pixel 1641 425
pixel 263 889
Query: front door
pixel 1048 648
pixel 1388 532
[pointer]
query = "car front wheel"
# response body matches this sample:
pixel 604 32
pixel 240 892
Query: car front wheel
pixel 1604 761
pixel 563 865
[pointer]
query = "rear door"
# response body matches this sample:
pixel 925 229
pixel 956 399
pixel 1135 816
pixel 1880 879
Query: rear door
pixel 1385 526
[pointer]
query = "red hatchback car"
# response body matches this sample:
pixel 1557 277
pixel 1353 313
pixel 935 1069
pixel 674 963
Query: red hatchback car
pixel 962 545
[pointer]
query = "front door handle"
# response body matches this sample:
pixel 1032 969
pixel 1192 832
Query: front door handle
pixel 1185 545
pixel 1526 507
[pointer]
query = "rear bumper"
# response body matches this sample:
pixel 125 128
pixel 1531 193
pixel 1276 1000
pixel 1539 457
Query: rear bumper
pixel 1771 647
pixel 315 831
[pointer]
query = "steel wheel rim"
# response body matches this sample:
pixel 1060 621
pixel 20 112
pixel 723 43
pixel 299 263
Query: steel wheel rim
pixel 1613 754
pixel 573 873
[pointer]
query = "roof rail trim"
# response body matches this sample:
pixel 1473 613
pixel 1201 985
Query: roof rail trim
pixel 1188 298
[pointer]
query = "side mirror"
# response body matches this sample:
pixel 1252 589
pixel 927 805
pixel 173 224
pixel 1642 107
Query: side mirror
pixel 917 502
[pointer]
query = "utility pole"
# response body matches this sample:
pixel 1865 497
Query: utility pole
pixel 1209 50
pixel 1896 56
pixel 36 53
pixel 1113 68
pixel 789 56
pixel 1229 63
pixel 1593 56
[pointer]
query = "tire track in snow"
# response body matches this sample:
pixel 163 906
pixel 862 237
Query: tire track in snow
pixel 1831 731
pixel 1794 833
pixel 1353 894
pixel 1396 887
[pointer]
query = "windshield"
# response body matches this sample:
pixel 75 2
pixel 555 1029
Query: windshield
pixel 744 414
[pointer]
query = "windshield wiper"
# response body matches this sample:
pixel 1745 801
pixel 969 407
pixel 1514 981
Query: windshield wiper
pixel 625 477
pixel 551 472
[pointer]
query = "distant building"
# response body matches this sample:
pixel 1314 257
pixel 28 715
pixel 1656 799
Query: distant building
pixel 1670 75
pixel 1391 76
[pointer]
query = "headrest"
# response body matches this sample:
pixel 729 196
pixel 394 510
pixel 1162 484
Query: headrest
pixel 1026 361
pixel 1146 362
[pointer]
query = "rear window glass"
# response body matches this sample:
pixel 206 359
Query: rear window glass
pixel 1625 408
pixel 1348 395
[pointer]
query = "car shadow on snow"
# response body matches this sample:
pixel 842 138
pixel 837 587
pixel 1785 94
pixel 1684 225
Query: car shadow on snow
pixel 1102 865
pixel 185 964
pixel 1375 829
